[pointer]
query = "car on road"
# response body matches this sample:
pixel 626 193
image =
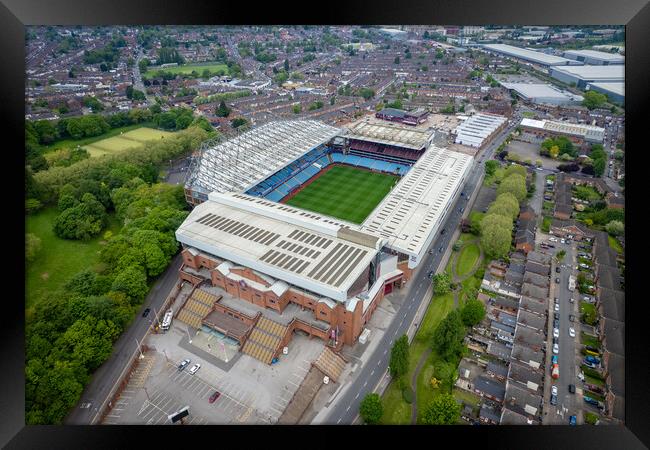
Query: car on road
pixel 557 269
pixel 555 371
pixel 562 241
pixel 195 368
pixel 430 274
pixel 146 312
pixel 215 395
pixel 556 349
pixel 556 323
pixel 460 210
pixel 572 388
pixel 557 280
pixel 557 307
pixel 556 300
pixel 571 300
pixel 572 332
pixel 572 420
pixel 556 332
pixel 431 252
pixel 553 399
pixel 183 364
pixel 554 359
pixel 554 390
pixel 444 230
pixel 440 249
pixel 572 318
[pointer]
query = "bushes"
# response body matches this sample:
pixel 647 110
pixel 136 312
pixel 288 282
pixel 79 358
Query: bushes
pixel 81 220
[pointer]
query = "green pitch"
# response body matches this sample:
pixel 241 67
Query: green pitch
pixel 345 192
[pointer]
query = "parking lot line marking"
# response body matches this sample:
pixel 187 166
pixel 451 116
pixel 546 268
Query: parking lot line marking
pixel 338 421
pixel 113 415
pixel 356 396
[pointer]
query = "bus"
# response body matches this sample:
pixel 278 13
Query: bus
pixel 167 320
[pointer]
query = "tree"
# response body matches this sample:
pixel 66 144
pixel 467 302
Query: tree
pixel 473 312
pixel 496 234
pixel 554 151
pixel 441 283
pixel 514 184
pixel 448 336
pixel 238 122
pixel 559 256
pixel 506 205
pixel 371 409
pixel 446 373
pixel 399 357
pixel 615 228
pixel 491 166
pixel 593 99
pixel 132 281
pixel 599 167
pixel 443 410
pixel 32 246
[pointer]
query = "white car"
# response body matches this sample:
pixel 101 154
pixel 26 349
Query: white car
pixel 552 239
pixel 554 390
pixel 556 349
pixel 557 307
pixel 562 241
pixel 572 332
pixel 556 332
pixel 195 368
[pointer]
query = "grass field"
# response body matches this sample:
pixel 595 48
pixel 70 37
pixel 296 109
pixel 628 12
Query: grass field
pixel 58 259
pixel 345 192
pixel 72 143
pixel 187 69
pixel 128 140
pixel 467 258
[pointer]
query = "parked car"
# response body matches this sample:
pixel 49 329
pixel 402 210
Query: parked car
pixel 554 390
pixel 430 274
pixel 591 401
pixel 553 399
pixel 590 364
pixel 572 318
pixel 555 371
pixel 195 369
pixel 557 280
pixel 556 307
pixel 183 364
pixel 556 323
pixel 592 359
pixel 145 313
pixel 556 300
pixel 571 300
pixel 572 332
pixel 572 388
pixel 572 420
pixel 556 333
pixel 215 395
pixel 556 340
pixel 554 359
pixel 440 249
pixel 556 349
pixel 557 269
pixel 581 376
pixel 431 252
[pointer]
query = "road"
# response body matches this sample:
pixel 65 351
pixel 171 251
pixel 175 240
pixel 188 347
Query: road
pixel 346 408
pixel 107 375
pixel 137 78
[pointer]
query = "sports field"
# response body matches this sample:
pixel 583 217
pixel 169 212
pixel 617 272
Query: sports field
pixel 187 69
pixel 345 192
pixel 129 140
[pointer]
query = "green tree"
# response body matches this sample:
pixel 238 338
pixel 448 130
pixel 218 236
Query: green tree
pixel 399 357
pixel 89 341
pixel 297 109
pixel 441 283
pixel 514 184
pixel 446 373
pixel 371 409
pixel 32 246
pixel 496 234
pixel 599 167
pixel 491 166
pixel 515 169
pixel 593 99
pixel 443 410
pixel 448 336
pixel 132 281
pixel 506 205
pixel 615 228
pixel 472 312
pixel 238 122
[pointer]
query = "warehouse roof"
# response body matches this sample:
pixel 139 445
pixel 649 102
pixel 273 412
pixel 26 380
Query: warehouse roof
pixel 475 130
pixel 611 58
pixel 595 73
pixel 529 55
pixel 585 131
pixel 325 258
pixel 411 213
pixel 541 92
pixel 614 87
pixel 239 163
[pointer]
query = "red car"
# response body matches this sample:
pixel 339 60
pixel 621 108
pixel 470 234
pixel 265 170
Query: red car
pixel 214 396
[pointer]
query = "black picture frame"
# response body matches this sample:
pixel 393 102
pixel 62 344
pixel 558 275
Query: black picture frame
pixel 635 14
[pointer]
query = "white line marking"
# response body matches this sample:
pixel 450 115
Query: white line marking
pixel 338 421
pixel 373 371
pixel 356 396
pixel 348 408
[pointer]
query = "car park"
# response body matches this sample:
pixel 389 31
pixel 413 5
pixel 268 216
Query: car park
pixel 556 349
pixel 215 395
pixel 146 312
pixel 195 369
pixel 572 332
pixel 183 364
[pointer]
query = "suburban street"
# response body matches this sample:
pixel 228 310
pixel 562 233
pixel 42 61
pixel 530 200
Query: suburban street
pixel 108 374
pixel 346 407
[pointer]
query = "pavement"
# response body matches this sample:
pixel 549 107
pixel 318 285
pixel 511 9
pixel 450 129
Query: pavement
pixel 96 393
pixel 344 410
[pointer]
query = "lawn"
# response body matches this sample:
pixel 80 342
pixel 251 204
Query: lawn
pixel 587 339
pixel 546 224
pixel 467 397
pixel 588 312
pixel 467 259
pixel 72 143
pixel 347 193
pixel 587 193
pixel 591 418
pixel 129 140
pixel 615 245
pixel 58 259
pixel 187 69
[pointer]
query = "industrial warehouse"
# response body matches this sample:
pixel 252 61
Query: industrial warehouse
pixel 325 276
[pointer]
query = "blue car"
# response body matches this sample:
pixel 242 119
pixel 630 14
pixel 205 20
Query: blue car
pixel 554 359
pixel 572 420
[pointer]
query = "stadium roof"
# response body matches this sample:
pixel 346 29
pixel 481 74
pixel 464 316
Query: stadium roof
pixel 541 92
pixel 477 128
pixel 411 213
pixel 611 58
pixel 595 73
pixel 370 129
pixel 589 132
pixel 528 55
pixel 240 163
pixel 280 241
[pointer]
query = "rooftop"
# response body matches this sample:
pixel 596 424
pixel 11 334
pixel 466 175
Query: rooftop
pixel 530 55
pixel 594 73
pixel 477 128
pixel 542 91
pixel 603 56
pixel 375 130
pixel 574 129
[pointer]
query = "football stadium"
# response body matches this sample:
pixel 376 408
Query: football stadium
pixel 301 226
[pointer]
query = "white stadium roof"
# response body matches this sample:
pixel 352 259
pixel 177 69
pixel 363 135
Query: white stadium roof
pixel 475 130
pixel 410 215
pixel 240 163
pixel 528 55
pixel 588 132
pixel 273 239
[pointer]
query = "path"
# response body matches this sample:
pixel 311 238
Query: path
pixel 455 279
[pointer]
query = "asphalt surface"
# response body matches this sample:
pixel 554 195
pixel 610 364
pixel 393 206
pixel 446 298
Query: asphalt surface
pixel 107 375
pixel 346 407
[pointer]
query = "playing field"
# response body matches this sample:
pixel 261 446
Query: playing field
pixel 345 192
pixel 126 141
pixel 188 68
